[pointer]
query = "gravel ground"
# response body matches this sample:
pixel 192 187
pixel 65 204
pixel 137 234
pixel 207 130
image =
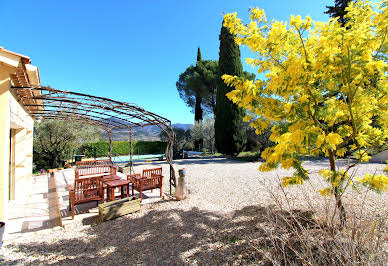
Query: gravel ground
pixel 216 224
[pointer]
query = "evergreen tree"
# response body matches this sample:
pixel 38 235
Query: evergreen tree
pixel 338 10
pixel 198 95
pixel 199 80
pixel 198 143
pixel 199 57
pixel 229 131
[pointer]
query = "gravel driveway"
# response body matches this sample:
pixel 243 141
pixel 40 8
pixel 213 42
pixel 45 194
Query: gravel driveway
pixel 214 225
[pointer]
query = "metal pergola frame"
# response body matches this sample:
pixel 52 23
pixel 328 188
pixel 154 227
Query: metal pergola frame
pixel 48 103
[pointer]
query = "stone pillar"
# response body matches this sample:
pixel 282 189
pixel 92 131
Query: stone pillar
pixel 180 191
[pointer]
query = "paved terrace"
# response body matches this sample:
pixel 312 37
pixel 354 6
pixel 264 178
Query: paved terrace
pixel 46 204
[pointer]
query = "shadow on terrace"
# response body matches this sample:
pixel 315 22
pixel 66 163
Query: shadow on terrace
pixel 170 237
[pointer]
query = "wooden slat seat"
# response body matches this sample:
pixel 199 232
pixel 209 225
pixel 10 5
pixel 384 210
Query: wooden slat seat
pixel 150 179
pixel 85 190
pixel 88 182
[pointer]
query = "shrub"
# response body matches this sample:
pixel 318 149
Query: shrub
pixel 101 148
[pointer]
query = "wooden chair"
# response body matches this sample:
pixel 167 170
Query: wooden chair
pixel 85 190
pixel 150 179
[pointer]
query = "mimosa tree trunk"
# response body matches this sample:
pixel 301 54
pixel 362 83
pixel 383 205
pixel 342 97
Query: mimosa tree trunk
pixel 337 192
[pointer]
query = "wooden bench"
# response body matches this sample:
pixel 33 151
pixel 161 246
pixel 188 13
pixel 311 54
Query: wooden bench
pixel 85 190
pixel 88 182
pixel 94 168
pixel 150 179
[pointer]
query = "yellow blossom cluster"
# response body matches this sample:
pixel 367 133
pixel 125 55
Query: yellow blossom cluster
pixel 325 90
pixel 293 180
pixel 375 182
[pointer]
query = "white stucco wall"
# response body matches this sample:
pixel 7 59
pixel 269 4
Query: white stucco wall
pixel 24 125
pixel 13 116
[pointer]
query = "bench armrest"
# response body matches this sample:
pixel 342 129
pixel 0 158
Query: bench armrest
pixel 113 169
pixel 131 176
pixel 76 173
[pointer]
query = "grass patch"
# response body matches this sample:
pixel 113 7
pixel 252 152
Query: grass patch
pixel 232 239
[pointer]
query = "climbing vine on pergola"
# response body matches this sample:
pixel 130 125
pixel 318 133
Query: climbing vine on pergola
pixel 48 103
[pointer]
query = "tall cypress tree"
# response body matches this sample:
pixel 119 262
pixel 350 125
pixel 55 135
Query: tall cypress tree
pixel 199 57
pixel 229 131
pixel 198 96
pixel 338 10
pixel 198 103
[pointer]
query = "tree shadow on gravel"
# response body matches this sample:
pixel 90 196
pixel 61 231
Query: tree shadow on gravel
pixel 174 236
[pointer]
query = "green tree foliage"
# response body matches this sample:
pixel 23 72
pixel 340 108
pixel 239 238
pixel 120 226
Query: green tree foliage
pixel 198 84
pixel 181 137
pixel 199 56
pixel 54 140
pixel 258 142
pixel 208 75
pixel 229 132
pixel 100 148
pixel 197 87
pixel 190 90
pixel 204 130
pixel 338 10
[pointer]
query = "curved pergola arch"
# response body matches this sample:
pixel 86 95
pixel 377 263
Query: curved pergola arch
pixel 108 114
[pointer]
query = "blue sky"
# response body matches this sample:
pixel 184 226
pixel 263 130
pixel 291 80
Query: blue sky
pixel 128 50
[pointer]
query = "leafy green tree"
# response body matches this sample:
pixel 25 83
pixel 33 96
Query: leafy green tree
pixel 204 130
pixel 257 142
pixel 208 75
pixel 191 91
pixel 181 136
pixel 54 140
pixel 199 56
pixel 197 87
pixel 229 132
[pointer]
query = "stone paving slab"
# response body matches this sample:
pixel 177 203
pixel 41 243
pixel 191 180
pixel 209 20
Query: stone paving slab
pixel 46 205
pixel 35 211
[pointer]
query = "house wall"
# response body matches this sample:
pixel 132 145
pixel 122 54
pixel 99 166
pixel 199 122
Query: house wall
pixel 14 116
pixel 4 141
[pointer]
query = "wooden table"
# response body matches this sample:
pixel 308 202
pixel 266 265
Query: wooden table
pixel 111 185
pixel 105 179
pixel 108 178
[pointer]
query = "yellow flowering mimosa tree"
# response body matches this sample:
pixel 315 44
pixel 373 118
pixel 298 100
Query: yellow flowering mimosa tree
pixel 326 82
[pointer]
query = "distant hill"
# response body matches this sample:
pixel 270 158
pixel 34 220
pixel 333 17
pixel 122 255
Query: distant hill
pixel 149 133
pixel 183 126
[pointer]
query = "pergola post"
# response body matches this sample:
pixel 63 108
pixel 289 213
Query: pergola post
pixel 169 153
pixel 131 171
pixel 110 143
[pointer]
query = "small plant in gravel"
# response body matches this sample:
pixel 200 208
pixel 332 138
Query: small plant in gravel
pixel 328 82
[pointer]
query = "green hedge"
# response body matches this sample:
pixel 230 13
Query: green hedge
pixel 100 149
